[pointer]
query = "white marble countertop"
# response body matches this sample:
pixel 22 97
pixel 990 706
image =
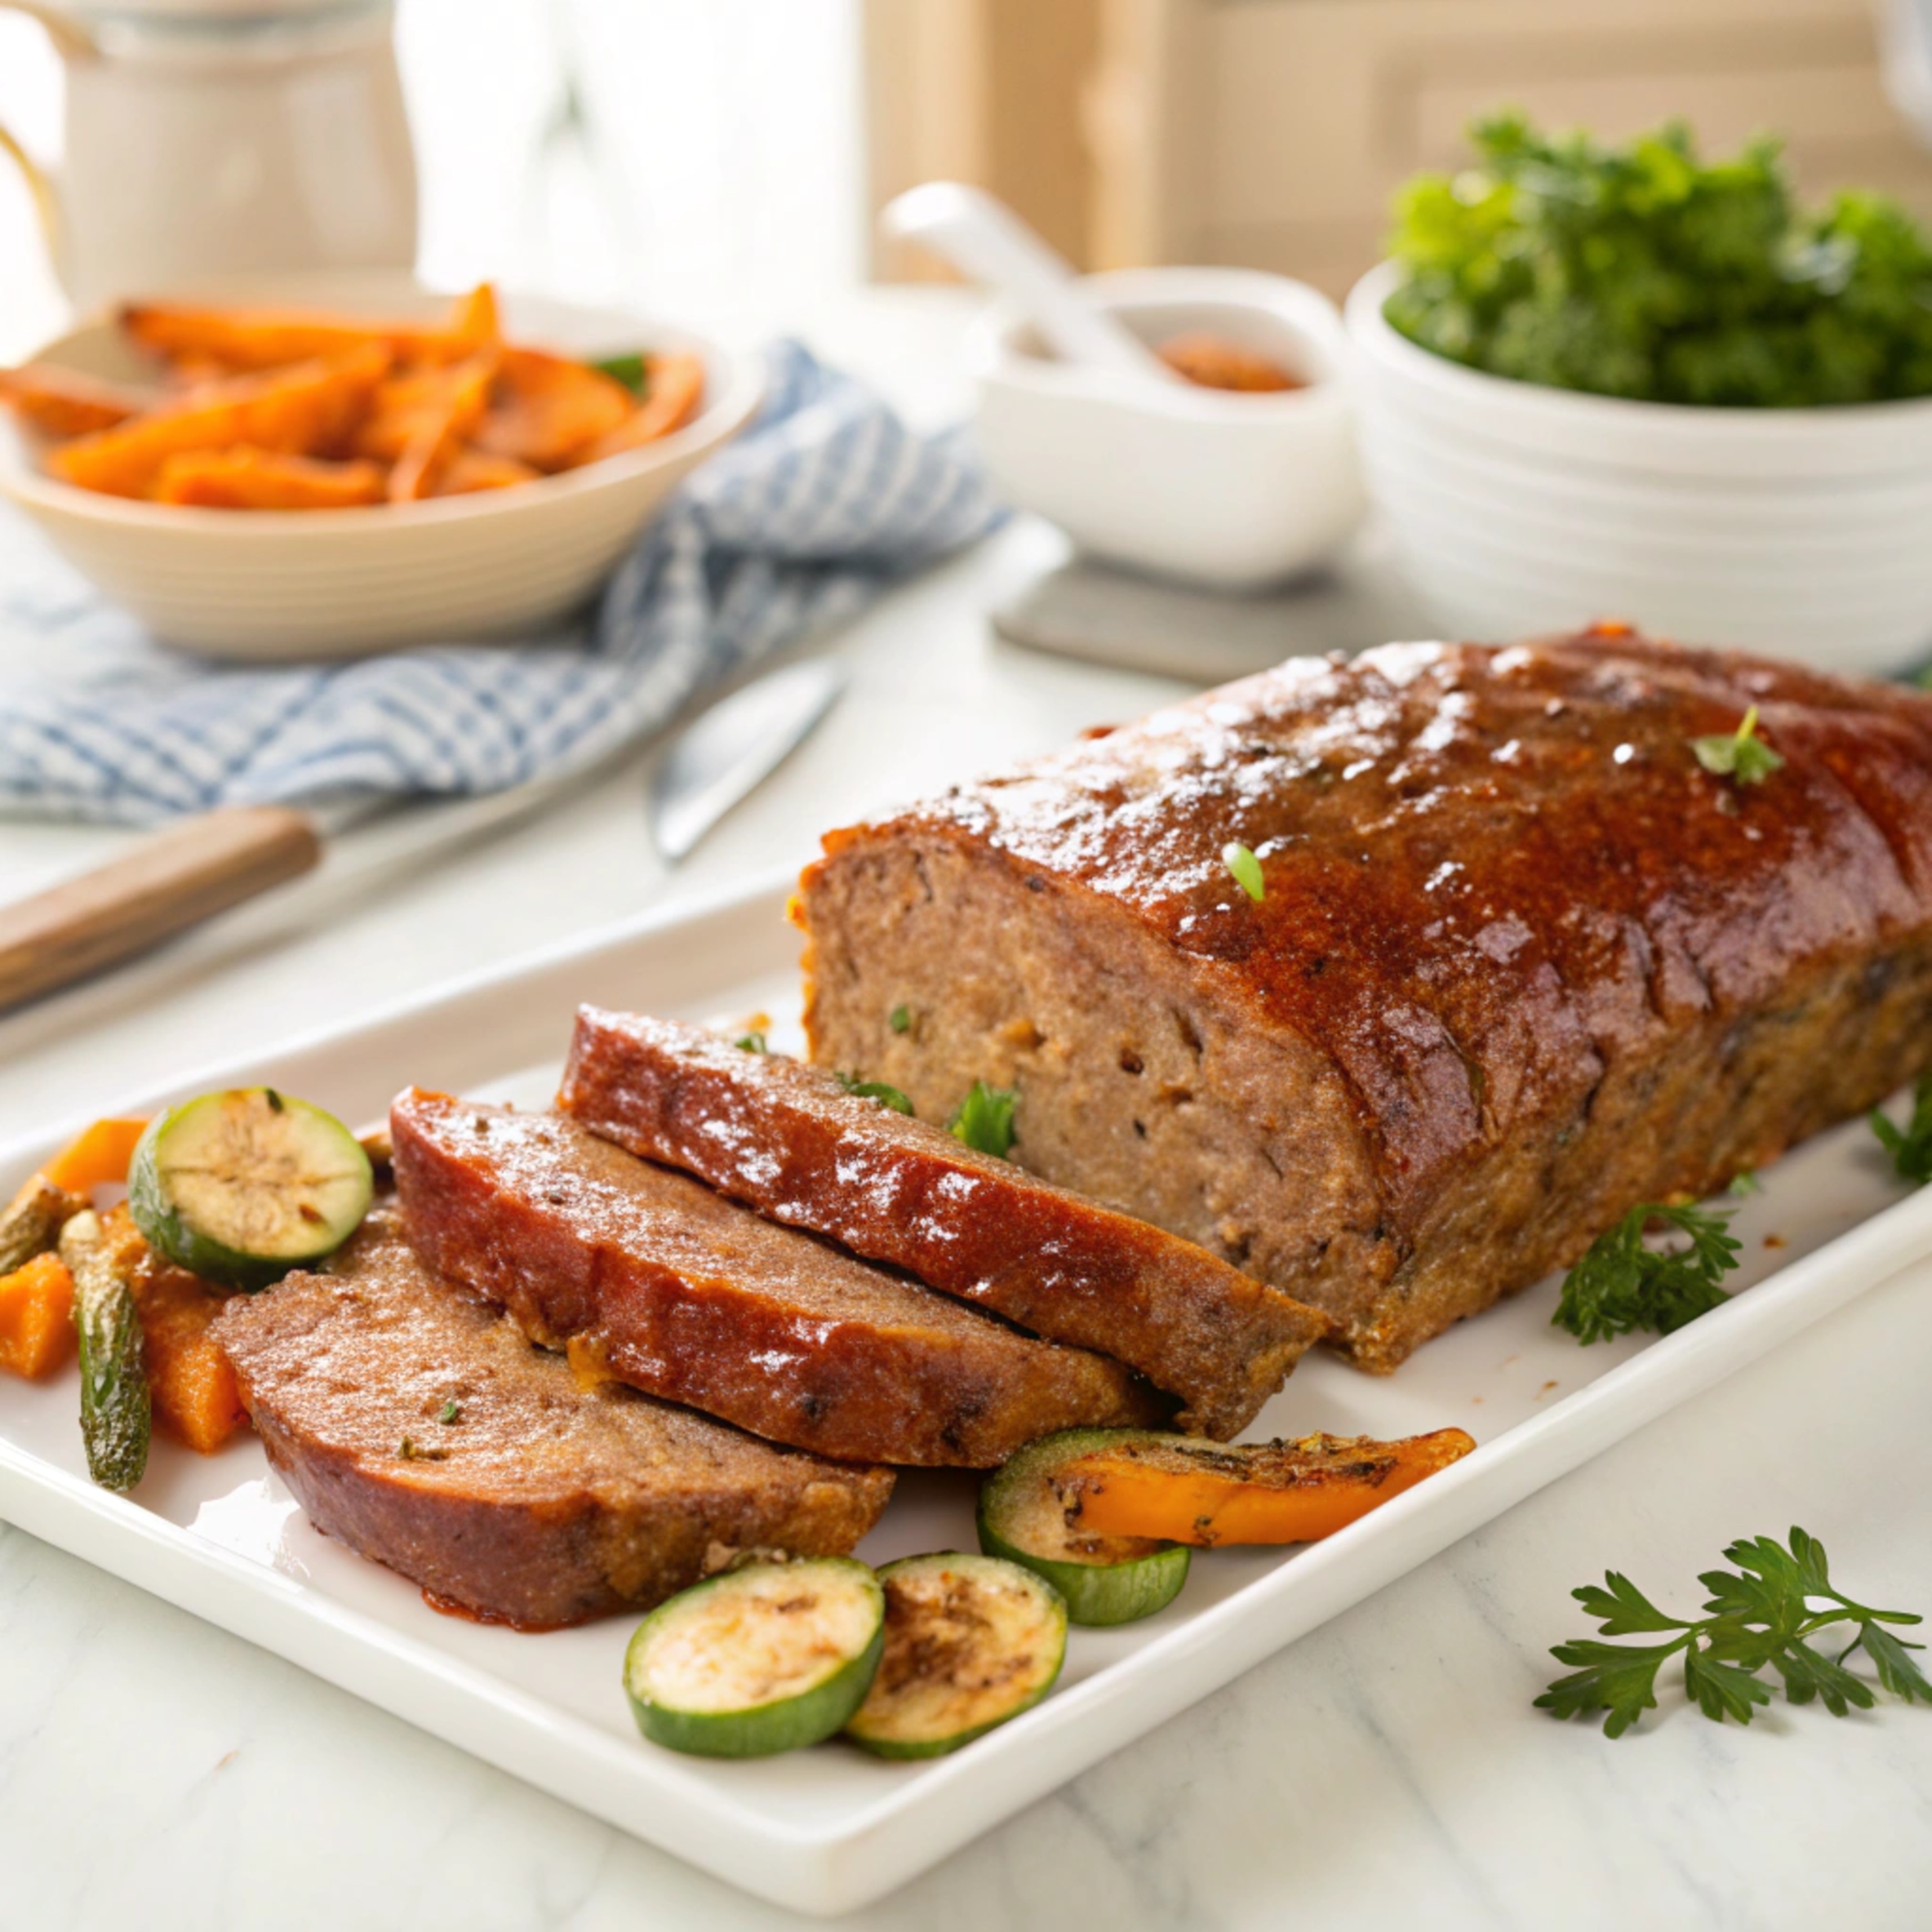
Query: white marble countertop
pixel 1387 1771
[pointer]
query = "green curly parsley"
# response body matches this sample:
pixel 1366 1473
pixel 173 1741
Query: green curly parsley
pixel 1620 1284
pixel 1910 1147
pixel 985 1119
pixel 1742 755
pixel 874 1090
pixel 1760 1613
pixel 1642 271
pixel 1245 869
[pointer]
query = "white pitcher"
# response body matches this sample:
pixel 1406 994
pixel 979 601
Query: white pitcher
pixel 209 137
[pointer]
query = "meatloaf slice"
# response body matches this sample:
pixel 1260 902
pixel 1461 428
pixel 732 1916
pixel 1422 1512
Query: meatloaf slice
pixel 1520 961
pixel 790 1140
pixel 424 1430
pixel 685 1294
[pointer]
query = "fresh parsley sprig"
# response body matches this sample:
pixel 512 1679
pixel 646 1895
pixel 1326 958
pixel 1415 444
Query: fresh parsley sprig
pixel 1620 1284
pixel 1245 869
pixel 1911 1148
pixel 1744 756
pixel 985 1119
pixel 1760 1614
pixel 874 1090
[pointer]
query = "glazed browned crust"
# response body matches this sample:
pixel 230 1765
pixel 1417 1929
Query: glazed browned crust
pixel 695 1299
pixel 1521 959
pixel 789 1139
pixel 540 1502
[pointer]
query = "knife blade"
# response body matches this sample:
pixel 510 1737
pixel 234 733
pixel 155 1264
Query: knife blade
pixel 722 756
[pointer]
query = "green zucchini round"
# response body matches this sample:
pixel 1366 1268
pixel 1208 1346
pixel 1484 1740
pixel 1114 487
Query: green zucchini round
pixel 241 1187
pixel 970 1642
pixel 759 1660
pixel 1105 1579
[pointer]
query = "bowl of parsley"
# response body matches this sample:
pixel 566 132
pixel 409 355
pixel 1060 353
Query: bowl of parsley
pixel 1619 381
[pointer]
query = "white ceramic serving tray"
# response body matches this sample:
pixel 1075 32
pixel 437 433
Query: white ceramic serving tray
pixel 830 1828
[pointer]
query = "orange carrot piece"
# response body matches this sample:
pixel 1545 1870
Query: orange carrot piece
pixel 309 410
pixel 191 1383
pixel 246 478
pixel 1183 1490
pixel 64 402
pixel 673 392
pixel 36 1317
pixel 96 1156
pixel 547 407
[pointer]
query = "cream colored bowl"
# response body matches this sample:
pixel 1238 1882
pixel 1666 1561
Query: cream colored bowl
pixel 270 585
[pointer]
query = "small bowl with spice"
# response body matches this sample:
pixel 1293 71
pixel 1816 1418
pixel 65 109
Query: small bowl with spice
pixel 1614 382
pixel 1241 476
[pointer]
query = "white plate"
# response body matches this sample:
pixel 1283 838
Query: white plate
pixel 828 1829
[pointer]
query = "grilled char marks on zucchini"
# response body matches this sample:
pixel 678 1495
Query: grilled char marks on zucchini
pixel 242 1187
pixel 1030 1513
pixel 761 1659
pixel 971 1642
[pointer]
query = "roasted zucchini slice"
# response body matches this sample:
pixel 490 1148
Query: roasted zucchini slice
pixel 758 1660
pixel 241 1187
pixel 1028 1515
pixel 971 1642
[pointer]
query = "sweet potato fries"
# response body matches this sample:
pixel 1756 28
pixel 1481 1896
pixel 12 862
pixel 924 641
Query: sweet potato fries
pixel 256 408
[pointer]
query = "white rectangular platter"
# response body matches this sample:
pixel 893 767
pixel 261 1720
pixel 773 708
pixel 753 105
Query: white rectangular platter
pixel 828 1829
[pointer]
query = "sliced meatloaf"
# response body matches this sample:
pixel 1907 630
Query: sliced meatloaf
pixel 690 1296
pixel 423 1429
pixel 1520 961
pixel 789 1139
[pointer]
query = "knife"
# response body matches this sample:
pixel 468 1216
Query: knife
pixel 184 874
pixel 722 757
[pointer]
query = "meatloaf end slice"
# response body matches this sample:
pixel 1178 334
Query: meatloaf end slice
pixel 423 1429
pixel 1520 963
pixel 790 1140
pixel 693 1298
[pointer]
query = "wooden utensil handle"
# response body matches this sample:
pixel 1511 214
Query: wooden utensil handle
pixel 166 884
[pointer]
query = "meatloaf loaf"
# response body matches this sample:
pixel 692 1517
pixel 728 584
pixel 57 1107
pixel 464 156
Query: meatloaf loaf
pixel 424 1431
pixel 683 1293
pixel 1519 961
pixel 791 1141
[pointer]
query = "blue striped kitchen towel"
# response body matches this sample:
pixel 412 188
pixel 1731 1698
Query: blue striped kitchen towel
pixel 816 507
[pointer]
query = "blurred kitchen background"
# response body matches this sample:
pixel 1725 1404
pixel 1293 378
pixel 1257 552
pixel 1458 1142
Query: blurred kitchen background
pixel 723 159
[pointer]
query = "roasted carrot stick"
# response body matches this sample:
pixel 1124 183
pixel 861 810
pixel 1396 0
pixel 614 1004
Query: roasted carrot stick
pixel 1183 1490
pixel 96 1155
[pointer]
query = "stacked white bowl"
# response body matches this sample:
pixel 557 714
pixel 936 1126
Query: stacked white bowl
pixel 1804 533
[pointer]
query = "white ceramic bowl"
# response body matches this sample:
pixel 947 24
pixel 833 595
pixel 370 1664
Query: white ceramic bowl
pixel 282 585
pixel 1234 491
pixel 1516 509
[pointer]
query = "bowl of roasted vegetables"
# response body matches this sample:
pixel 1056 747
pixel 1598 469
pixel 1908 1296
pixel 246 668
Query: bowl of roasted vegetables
pixel 1631 381
pixel 297 470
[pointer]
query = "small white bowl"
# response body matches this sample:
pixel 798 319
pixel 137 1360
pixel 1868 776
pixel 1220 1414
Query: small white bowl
pixel 1233 491
pixel 278 584
pixel 1517 509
